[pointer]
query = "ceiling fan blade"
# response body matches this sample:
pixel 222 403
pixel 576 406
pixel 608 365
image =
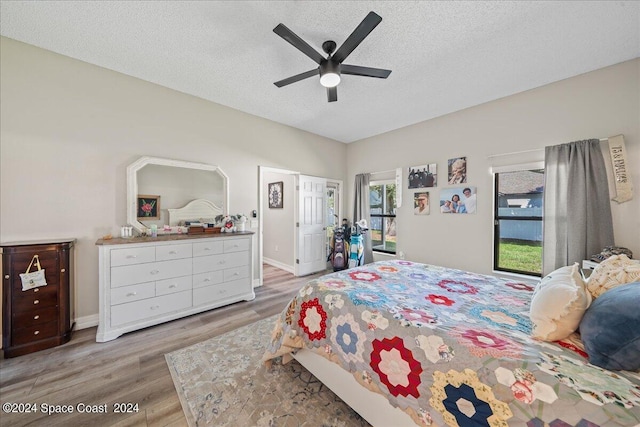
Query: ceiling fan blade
pixel 332 94
pixel 298 43
pixel 298 77
pixel 364 71
pixel 367 25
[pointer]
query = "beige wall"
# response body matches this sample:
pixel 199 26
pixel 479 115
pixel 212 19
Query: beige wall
pixel 69 130
pixel 594 105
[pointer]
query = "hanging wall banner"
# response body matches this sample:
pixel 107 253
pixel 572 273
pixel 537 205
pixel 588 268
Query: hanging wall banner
pixel 621 171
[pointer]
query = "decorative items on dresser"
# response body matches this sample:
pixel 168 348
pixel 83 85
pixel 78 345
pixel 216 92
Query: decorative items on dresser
pixel 145 281
pixel 41 315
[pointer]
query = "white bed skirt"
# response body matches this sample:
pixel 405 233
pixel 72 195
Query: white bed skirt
pixel 371 406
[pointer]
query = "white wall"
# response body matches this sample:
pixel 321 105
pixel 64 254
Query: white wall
pixel 594 105
pixel 69 129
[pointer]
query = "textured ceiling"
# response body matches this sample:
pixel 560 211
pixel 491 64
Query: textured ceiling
pixel 445 56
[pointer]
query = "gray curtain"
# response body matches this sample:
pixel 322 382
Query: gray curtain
pixel 577 210
pixel 361 211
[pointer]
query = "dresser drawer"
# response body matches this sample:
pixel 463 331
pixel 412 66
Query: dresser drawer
pixel 207 248
pixel 164 253
pixel 133 274
pixel 236 245
pixel 36 316
pixel 171 286
pixel 150 308
pixel 132 293
pixel 219 262
pixel 219 292
pixel 128 256
pixel 47 296
pixel 34 333
pixel 236 273
pixel 207 279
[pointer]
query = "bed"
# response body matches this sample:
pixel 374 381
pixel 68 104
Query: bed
pixel 427 345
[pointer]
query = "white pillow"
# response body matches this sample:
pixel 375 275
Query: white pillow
pixel 558 304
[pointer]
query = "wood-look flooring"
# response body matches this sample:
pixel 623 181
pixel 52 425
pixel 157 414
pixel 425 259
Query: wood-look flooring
pixel 131 368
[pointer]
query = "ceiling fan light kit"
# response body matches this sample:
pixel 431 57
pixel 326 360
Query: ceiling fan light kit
pixel 331 68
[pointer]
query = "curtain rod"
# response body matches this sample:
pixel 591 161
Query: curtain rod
pixel 529 151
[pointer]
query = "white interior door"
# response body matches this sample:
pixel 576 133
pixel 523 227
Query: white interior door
pixel 311 227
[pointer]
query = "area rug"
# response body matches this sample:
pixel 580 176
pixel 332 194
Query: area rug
pixel 222 382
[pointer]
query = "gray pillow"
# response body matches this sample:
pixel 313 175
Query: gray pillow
pixel 610 329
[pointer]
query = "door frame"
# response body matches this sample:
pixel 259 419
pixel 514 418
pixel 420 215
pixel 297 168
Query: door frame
pixel 261 196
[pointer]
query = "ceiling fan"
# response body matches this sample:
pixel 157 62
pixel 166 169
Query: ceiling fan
pixel 331 67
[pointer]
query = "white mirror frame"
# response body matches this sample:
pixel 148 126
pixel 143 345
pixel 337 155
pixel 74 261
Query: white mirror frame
pixel 132 184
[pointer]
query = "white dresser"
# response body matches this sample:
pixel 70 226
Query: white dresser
pixel 145 281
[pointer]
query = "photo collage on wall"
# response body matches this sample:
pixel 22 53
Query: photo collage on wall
pixel 459 199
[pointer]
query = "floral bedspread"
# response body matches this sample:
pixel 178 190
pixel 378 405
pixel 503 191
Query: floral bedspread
pixel 452 348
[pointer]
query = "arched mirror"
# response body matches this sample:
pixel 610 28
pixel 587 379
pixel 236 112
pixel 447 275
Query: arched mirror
pixel 155 185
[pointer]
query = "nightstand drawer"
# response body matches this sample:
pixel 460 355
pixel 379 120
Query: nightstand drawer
pixel 34 333
pixel 36 316
pixel 47 296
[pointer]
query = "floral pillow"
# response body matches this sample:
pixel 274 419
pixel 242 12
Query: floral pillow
pixel 558 304
pixel 610 329
pixel 614 271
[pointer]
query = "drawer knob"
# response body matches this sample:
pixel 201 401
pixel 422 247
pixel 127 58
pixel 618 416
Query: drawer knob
pixel 131 256
pixel 222 262
pixel 173 286
pixel 36 317
pixel 235 246
pixel 36 332
pixel 236 274
pixel 132 294
pixel 223 291
pixel 36 302
pixel 6 276
pixel 36 290
pixel 155 307
pixel 154 272
pixel 63 270
pixel 172 252
pixel 207 249
pixel 207 280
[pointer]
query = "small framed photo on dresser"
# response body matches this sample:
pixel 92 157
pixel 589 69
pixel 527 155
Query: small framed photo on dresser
pixel 148 207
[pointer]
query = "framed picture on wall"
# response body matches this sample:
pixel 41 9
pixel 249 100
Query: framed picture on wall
pixel 148 207
pixel 460 200
pixel 457 170
pixel 275 195
pixel 422 176
pixel 421 203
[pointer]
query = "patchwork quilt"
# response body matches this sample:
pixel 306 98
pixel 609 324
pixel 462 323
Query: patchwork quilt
pixel 450 347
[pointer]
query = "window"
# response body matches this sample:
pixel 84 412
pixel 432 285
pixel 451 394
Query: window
pixel 518 221
pixel 382 202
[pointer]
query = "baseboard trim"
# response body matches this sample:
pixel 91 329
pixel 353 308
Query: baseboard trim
pixel 278 264
pixel 87 322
